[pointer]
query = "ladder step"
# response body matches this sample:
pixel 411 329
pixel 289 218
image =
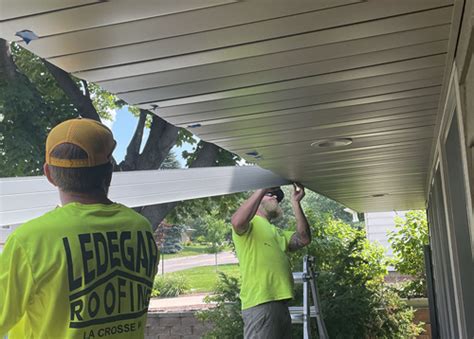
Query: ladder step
pixel 296 313
pixel 298 277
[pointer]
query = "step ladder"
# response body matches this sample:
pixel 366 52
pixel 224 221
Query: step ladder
pixel 303 314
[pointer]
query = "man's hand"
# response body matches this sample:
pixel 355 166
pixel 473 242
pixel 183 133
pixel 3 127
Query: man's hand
pixel 298 193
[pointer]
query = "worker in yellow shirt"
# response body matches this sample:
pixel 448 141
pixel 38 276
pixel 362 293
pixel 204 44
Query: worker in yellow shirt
pixel 85 269
pixel 267 280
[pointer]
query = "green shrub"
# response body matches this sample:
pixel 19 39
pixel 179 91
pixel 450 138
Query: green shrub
pixel 170 286
pixel 201 240
pixel 226 316
pixel 407 241
pixel 354 298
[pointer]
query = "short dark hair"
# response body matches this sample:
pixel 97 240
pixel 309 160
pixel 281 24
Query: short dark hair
pixel 79 180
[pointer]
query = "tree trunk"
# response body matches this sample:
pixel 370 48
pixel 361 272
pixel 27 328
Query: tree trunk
pixel 207 154
pixel 7 66
pixel 161 140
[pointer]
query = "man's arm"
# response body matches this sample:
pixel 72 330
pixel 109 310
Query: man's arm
pixel 302 236
pixel 241 218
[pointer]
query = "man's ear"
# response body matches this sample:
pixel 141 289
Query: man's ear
pixel 47 173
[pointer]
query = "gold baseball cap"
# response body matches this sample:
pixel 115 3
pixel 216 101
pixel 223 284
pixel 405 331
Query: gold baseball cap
pixel 93 137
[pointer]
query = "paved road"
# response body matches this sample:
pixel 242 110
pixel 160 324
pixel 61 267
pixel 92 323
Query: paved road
pixel 179 264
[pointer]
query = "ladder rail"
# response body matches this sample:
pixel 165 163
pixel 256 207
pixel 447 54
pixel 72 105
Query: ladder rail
pixel 303 314
pixel 306 309
pixel 323 333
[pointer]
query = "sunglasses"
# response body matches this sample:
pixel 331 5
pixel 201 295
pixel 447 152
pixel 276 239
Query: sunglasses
pixel 277 193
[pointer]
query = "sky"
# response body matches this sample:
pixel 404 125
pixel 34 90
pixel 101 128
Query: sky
pixel 123 126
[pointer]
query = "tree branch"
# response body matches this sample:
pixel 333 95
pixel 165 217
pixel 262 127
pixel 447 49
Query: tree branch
pixel 86 88
pixel 81 102
pixel 133 149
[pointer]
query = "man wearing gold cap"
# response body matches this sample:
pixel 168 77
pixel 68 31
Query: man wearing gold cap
pixel 86 268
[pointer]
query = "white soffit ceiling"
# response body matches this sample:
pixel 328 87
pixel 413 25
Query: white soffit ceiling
pixel 272 77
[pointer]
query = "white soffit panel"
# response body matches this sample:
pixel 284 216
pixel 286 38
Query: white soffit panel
pixel 29 197
pixel 25 8
pixel 272 80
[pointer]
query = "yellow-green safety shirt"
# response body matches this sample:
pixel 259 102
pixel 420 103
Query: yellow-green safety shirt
pixel 79 271
pixel 264 265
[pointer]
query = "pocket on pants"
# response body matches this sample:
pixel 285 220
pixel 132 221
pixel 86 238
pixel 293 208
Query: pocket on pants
pixel 255 321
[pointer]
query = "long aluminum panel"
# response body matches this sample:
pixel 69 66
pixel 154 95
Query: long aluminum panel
pixel 28 197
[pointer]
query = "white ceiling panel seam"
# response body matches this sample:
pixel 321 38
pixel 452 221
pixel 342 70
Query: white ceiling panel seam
pixel 317 109
pixel 170 66
pixel 419 137
pixel 429 114
pixel 124 55
pixel 228 85
pixel 400 155
pixel 177 116
pixel 242 150
pixel 314 123
pixel 50 55
pixel 322 80
pixel 328 128
pixel 27 9
pixel 270 109
pixel 109 13
pixel 195 13
pixel 393 151
pixel 158 80
pixel 313 118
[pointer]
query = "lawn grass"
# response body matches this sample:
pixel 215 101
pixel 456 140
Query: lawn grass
pixel 204 279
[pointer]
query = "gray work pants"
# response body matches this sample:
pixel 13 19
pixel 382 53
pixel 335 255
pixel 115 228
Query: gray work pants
pixel 270 320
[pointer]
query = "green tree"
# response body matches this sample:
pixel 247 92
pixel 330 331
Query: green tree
pixel 215 233
pixel 27 113
pixel 170 162
pixel 407 241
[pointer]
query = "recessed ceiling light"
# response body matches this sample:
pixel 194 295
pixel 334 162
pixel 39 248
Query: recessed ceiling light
pixel 255 155
pixel 337 142
pixel 194 125
pixel 379 195
pixel 252 153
